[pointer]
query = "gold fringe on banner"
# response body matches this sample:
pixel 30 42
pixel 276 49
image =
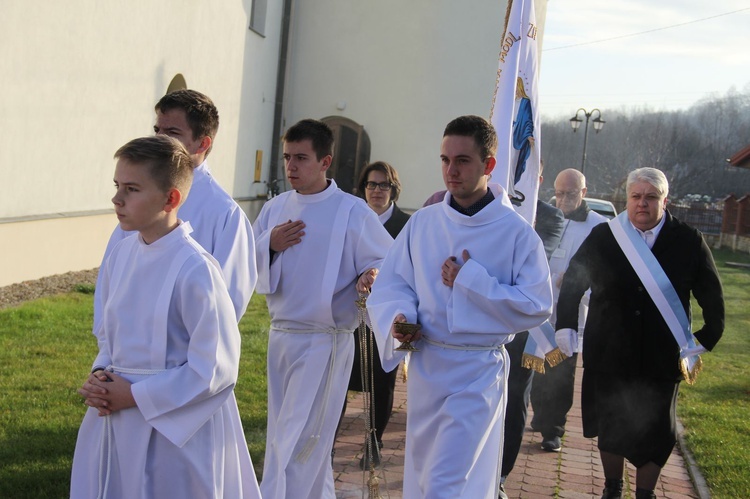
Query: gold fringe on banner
pixel 555 357
pixel 688 375
pixel 532 362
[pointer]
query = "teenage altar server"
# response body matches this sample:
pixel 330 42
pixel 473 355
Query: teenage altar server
pixel 473 273
pixel 316 248
pixel 163 420
pixel 219 224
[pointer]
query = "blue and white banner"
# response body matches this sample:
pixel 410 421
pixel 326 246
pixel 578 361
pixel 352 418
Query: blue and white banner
pixel 515 110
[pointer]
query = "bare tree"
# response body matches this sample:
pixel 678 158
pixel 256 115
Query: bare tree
pixel 690 146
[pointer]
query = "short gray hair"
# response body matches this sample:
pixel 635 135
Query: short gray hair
pixel 652 176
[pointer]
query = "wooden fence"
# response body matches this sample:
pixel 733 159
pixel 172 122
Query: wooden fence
pixel 735 226
pixel 724 223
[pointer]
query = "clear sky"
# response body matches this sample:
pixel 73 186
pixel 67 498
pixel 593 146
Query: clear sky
pixel 659 54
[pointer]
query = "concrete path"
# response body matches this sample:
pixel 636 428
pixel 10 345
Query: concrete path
pixel 575 472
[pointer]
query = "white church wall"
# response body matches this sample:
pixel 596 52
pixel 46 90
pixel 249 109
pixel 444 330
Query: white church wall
pixel 401 69
pixel 80 78
pixel 48 246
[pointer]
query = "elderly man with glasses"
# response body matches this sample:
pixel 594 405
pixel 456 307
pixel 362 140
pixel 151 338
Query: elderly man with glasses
pixel 552 392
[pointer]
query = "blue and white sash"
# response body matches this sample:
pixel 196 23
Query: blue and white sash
pixel 660 290
pixel 541 345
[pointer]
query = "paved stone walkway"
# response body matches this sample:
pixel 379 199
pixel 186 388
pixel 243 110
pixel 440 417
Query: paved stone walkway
pixel 575 472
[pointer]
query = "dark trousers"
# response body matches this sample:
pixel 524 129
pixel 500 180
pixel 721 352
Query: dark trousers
pixel 552 398
pixel 383 386
pixel 519 387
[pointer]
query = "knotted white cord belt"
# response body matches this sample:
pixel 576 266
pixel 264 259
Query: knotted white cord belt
pixel 330 330
pixel 106 440
pixel 461 347
pixel 304 454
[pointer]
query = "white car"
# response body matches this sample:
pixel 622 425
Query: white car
pixel 601 206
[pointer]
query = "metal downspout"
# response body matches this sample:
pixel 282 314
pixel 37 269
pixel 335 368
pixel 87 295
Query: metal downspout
pixel 286 21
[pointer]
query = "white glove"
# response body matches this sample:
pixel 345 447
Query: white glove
pixel 567 341
pixel 689 352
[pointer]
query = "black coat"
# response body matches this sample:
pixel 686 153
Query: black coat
pixel 625 333
pixel 549 225
pixel 382 380
pixel 396 222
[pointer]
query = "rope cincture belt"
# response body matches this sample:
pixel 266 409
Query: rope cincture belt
pixel 304 454
pixel 461 347
pixel 330 330
pixel 106 440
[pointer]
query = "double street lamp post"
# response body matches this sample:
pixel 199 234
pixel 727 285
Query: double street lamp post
pixel 575 123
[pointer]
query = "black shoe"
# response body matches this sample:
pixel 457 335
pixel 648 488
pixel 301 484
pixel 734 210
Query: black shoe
pixel 501 492
pixel 644 494
pixel 552 445
pixel 612 489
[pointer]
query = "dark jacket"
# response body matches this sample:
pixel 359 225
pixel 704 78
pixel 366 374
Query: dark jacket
pixel 396 222
pixel 549 225
pixel 383 382
pixel 625 333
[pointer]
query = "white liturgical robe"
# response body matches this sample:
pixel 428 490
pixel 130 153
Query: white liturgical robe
pixel 310 290
pixel 221 228
pixel 457 379
pixel 169 327
pixel 573 236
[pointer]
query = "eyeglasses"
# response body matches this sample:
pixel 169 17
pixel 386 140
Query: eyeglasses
pixel 383 186
pixel 567 195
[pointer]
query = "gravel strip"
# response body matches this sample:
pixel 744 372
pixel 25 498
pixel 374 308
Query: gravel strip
pixel 15 294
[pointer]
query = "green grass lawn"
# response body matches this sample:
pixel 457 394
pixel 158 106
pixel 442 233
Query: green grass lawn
pixel 715 410
pixel 46 350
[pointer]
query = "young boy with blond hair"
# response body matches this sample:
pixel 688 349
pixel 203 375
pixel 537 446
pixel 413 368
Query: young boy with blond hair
pixel 162 418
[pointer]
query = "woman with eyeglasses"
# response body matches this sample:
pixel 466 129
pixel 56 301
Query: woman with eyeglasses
pixel 379 186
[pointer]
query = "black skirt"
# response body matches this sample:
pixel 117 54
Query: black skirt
pixel 633 416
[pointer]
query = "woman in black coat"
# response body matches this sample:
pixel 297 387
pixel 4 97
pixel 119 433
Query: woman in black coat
pixel 379 185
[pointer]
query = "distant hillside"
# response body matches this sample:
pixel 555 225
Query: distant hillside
pixel 690 146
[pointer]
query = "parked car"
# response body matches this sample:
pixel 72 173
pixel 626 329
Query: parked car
pixel 600 206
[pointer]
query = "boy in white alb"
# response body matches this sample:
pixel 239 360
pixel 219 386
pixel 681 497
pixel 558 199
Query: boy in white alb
pixel 473 273
pixel 163 420
pixel 316 248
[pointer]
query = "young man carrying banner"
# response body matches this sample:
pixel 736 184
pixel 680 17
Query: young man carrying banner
pixel 641 268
